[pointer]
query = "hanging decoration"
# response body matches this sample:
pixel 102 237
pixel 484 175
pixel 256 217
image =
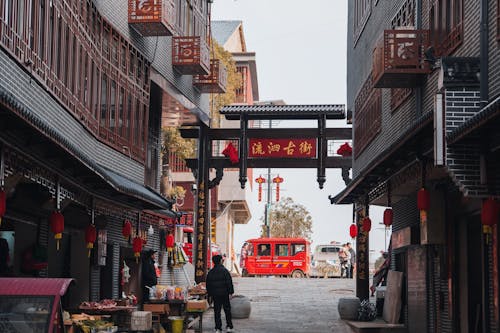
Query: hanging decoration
pixel 125 273
pixel 57 226
pixel 353 231
pixel 90 237
pixel 137 247
pixel 388 217
pixel 278 180
pixel 423 204
pixel 3 205
pixel 231 152
pixel 345 150
pixel 127 229
pixel 261 180
pixel 170 244
pixel 489 214
pixel 367 224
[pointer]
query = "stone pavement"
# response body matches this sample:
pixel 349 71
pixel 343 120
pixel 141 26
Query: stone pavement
pixel 289 305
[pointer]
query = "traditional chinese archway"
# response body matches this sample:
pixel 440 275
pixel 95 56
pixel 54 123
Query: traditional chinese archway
pixel 262 148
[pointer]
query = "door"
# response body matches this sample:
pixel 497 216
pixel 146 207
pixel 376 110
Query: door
pixel 281 259
pixel 263 258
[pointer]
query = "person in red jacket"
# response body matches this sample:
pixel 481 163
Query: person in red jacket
pixel 220 288
pixel 169 244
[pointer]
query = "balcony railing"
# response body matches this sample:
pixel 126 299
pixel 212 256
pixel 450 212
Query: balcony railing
pixel 152 17
pixel 399 59
pixel 190 55
pixel 215 82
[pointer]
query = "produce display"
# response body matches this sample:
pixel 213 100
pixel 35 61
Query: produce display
pixel 104 304
pixel 90 324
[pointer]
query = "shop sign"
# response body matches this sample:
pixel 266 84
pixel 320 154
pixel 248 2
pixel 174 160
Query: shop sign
pixel 282 148
pixel 200 228
pixel 102 242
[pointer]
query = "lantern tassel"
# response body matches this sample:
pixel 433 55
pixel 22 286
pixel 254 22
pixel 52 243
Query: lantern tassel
pixel 0 221
pixel 57 245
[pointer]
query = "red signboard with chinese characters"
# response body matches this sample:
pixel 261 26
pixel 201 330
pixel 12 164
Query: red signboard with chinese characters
pixel 284 148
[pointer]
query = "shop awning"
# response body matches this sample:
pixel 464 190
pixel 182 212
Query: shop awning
pixel 52 150
pixel 404 151
pixel 34 286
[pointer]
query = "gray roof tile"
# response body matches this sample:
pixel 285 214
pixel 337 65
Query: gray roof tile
pixel 222 30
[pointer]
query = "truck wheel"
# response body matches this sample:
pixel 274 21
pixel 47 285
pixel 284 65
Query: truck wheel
pixel 244 273
pixel 298 274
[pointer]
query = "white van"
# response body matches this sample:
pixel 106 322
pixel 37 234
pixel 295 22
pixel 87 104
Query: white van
pixel 325 261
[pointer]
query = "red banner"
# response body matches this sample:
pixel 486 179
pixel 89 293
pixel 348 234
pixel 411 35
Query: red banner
pixel 285 148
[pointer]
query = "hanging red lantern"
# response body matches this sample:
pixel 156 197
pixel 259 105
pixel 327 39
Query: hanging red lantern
pixel 90 237
pixel 345 150
pixel 423 204
pixel 353 230
pixel 127 229
pixel 388 217
pixel 231 152
pixel 3 205
pixel 367 224
pixel 57 225
pixel 261 180
pixel 278 180
pixel 489 214
pixel 137 247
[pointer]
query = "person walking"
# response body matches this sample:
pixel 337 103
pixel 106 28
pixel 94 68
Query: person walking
pixel 149 278
pixel 220 288
pixel 353 260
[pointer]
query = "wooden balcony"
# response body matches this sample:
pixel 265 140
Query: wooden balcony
pixel 190 55
pixel 152 17
pixel 399 59
pixel 215 82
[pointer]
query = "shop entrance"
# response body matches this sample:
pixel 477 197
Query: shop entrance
pixel 474 276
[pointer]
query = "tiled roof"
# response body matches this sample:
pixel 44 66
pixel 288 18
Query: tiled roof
pixel 403 147
pixel 489 112
pixel 222 30
pixel 332 111
pixel 116 181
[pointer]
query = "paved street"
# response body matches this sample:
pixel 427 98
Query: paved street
pixel 289 305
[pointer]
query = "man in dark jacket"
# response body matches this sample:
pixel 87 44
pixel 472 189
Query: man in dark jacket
pixel 220 288
pixel 149 278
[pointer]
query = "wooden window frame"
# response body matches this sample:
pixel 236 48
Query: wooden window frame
pixel 446 25
pixel 362 12
pixel 368 116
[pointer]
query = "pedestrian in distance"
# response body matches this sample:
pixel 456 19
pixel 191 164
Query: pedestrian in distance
pixel 353 260
pixel 149 278
pixel 220 289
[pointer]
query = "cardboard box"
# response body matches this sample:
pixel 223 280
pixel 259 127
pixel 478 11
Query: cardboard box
pixel 157 308
pixel 196 305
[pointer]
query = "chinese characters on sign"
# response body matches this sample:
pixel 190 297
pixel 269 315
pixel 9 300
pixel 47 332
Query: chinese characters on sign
pixel 200 258
pixel 287 148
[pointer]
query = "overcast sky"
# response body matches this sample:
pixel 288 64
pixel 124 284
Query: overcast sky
pixel 300 50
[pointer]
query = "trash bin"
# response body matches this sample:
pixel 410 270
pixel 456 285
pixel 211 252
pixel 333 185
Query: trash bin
pixel 379 300
pixel 348 308
pixel 176 324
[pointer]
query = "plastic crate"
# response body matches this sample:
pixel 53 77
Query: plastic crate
pixel 141 321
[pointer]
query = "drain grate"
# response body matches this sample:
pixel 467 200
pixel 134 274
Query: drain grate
pixel 342 291
pixel 264 298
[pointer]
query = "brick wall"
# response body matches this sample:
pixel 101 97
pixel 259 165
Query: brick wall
pixel 463 159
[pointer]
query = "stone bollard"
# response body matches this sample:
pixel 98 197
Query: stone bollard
pixel 240 307
pixel 348 308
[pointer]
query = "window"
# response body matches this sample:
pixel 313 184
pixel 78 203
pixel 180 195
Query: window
pixel 104 101
pixel 296 248
pixel 281 250
pixel 362 11
pixel 368 116
pixel 264 250
pixel 330 249
pixel 445 25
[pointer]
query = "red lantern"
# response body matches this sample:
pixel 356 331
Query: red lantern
pixel 278 180
pixel 231 152
pixel 353 231
pixel 261 180
pixel 137 247
pixel 489 214
pixel 423 199
pixel 127 229
pixel 57 225
pixel 90 237
pixel 388 216
pixel 3 205
pixel 367 224
pixel 345 150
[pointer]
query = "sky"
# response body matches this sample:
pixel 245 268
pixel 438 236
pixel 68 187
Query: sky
pixel 301 58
